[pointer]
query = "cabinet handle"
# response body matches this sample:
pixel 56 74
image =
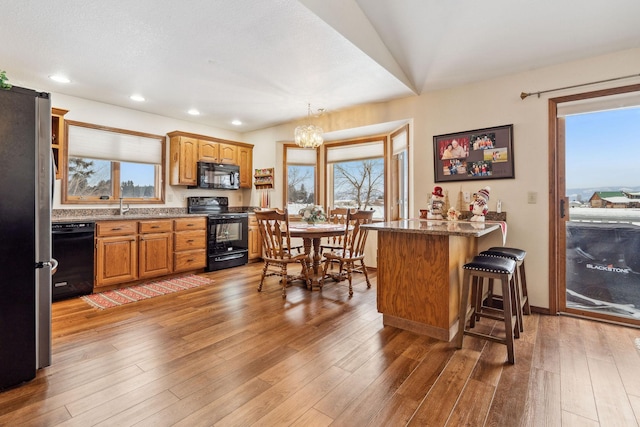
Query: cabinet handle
pixel 116 229
pixel 190 241
pixel 155 226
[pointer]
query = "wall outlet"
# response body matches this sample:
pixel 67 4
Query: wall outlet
pixel 169 198
pixel 466 196
pixel 532 197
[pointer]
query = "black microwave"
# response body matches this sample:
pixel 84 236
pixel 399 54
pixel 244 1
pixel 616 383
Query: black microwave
pixel 218 176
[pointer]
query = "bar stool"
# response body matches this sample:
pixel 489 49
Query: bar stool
pixel 475 272
pixel 522 295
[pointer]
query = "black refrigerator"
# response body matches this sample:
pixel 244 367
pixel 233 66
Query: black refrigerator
pixel 25 234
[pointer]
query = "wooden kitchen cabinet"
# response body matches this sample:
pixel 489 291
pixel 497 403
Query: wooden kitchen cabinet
pixel 228 154
pixel 245 161
pixel 183 160
pixel 255 243
pixel 217 152
pixel 155 248
pixel 116 252
pixel 127 251
pixel 208 151
pixel 57 139
pixel 189 243
pixel 186 149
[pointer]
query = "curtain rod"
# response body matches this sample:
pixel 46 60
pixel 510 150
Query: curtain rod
pixel 523 95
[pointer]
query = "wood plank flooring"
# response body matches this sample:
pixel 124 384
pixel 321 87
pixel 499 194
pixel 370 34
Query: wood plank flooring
pixel 226 355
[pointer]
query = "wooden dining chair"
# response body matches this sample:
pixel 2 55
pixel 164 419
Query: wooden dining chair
pixel 276 253
pixel 352 250
pixel 336 216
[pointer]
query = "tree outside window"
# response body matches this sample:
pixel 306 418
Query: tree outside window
pixel 300 187
pixel 359 184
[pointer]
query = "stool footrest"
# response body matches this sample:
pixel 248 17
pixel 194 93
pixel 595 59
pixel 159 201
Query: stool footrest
pixel 485 336
pixel 494 316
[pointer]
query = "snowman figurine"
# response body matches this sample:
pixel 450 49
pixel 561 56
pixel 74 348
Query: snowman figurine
pixel 436 204
pixel 479 208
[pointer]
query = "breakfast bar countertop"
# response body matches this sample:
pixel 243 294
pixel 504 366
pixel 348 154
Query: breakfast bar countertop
pixel 437 227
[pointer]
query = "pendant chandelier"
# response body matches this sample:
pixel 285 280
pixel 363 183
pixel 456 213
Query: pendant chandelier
pixel 308 136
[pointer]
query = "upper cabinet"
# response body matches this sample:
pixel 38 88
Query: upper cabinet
pixel 245 160
pixel 208 151
pixel 183 160
pixel 217 152
pixel 187 149
pixel 57 138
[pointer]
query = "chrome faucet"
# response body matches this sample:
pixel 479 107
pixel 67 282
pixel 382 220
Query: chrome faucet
pixel 123 210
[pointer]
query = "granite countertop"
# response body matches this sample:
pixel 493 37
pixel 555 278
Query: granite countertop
pixel 437 227
pixel 85 215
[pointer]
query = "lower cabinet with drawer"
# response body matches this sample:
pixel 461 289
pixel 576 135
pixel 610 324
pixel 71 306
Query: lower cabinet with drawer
pixel 189 243
pixel 116 252
pixel 127 251
pixel 155 249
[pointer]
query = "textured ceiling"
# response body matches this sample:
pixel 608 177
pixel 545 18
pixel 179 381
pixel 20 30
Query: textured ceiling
pixel 262 61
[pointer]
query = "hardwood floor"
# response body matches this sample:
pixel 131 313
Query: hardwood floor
pixel 227 355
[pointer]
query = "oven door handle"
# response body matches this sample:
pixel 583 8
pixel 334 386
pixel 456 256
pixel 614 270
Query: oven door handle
pixel 228 257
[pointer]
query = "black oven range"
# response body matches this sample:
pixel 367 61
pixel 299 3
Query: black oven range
pixel 227 232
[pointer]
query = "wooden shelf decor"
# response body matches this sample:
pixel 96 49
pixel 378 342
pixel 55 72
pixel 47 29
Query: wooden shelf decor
pixel 263 178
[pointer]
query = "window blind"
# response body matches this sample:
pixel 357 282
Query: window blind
pixel 399 142
pixel 301 156
pixel 114 146
pixel 369 150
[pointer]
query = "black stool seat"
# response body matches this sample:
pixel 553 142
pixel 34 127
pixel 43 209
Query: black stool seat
pixel 513 253
pixel 522 296
pixel 491 265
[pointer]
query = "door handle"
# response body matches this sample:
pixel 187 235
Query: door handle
pixel 561 208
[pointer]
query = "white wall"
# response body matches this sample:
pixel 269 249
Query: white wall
pixel 490 103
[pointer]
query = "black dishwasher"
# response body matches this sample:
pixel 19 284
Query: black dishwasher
pixel 73 249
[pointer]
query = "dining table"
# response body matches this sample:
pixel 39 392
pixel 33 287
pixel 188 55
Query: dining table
pixel 312 235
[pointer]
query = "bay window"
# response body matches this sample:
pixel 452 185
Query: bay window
pixel 355 175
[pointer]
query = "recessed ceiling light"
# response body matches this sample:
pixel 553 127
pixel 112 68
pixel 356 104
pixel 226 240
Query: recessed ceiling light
pixel 194 112
pixel 138 98
pixel 59 78
pixel 236 122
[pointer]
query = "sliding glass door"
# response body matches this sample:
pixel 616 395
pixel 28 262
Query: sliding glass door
pixel 600 207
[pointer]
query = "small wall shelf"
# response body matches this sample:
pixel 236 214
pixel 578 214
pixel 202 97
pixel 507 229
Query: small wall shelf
pixel 263 178
pixel 57 139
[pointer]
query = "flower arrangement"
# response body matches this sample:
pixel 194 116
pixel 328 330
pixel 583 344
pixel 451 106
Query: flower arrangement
pixel 312 214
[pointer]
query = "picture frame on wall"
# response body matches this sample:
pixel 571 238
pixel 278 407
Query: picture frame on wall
pixel 474 155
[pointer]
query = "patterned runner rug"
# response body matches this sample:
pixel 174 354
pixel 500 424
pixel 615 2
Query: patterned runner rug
pixel 135 293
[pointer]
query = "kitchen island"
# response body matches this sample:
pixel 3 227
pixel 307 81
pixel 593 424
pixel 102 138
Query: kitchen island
pixel 420 272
